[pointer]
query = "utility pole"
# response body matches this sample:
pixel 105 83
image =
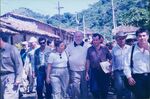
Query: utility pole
pixel 84 27
pixel 77 21
pixel 113 14
pixel 59 8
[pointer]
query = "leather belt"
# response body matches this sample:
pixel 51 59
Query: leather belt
pixel 5 73
pixel 143 74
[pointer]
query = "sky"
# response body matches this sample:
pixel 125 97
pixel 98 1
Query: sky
pixel 46 7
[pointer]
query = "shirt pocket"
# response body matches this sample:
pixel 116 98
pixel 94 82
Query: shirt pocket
pixel 7 59
pixel 118 53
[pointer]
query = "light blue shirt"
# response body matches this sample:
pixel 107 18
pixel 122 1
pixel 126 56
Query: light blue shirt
pixel 118 56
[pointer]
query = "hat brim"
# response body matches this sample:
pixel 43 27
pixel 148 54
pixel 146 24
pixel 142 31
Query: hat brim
pixel 117 36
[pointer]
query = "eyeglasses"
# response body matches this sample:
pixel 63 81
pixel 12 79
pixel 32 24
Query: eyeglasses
pixel 60 56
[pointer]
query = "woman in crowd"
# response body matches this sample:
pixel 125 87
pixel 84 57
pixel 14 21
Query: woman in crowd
pixel 57 71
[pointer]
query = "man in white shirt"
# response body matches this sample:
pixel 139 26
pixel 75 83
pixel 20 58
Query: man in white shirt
pixel 139 75
pixel 77 58
pixel 118 53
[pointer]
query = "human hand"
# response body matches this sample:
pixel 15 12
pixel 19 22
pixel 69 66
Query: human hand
pixel 33 74
pixel 87 77
pixel 131 81
pixel 48 80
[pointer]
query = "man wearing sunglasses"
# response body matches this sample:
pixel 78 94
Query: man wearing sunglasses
pixel 40 61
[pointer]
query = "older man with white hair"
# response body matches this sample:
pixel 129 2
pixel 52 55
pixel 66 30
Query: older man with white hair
pixel 77 58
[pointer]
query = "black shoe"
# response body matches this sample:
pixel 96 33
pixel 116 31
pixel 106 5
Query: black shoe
pixel 20 94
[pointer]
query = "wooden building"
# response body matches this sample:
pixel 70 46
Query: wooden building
pixel 21 28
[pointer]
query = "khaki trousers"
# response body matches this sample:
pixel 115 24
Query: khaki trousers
pixel 8 90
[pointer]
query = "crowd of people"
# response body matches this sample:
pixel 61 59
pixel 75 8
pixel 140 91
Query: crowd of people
pixel 73 71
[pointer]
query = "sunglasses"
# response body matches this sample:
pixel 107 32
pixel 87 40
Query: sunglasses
pixel 42 43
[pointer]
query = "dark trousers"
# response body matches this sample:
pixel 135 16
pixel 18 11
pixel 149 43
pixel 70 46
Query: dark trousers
pixel 99 83
pixel 41 80
pixel 142 86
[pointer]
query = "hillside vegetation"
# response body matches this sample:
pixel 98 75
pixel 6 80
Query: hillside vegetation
pixel 98 17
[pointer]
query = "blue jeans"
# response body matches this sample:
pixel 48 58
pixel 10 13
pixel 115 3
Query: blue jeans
pixel 121 91
pixel 41 80
pixel 7 88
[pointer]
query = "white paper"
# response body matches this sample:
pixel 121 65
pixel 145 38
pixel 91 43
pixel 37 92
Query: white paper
pixel 105 66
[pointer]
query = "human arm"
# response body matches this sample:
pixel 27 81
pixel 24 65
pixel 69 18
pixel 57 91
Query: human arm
pixel 87 65
pixel 49 67
pixel 18 65
pixel 48 71
pixel 128 68
pixel 109 58
pixel 113 59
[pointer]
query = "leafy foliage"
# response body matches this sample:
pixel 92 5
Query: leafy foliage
pixel 98 17
pixel 29 13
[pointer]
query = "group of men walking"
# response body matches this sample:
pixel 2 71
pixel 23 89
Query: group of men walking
pixel 69 71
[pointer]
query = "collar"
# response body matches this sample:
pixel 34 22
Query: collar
pixel 124 47
pixel 5 45
pixel 81 44
pixel 96 47
pixel 139 48
pixel 2 49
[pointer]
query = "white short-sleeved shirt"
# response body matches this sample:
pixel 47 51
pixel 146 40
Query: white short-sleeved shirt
pixel 58 60
pixel 77 56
